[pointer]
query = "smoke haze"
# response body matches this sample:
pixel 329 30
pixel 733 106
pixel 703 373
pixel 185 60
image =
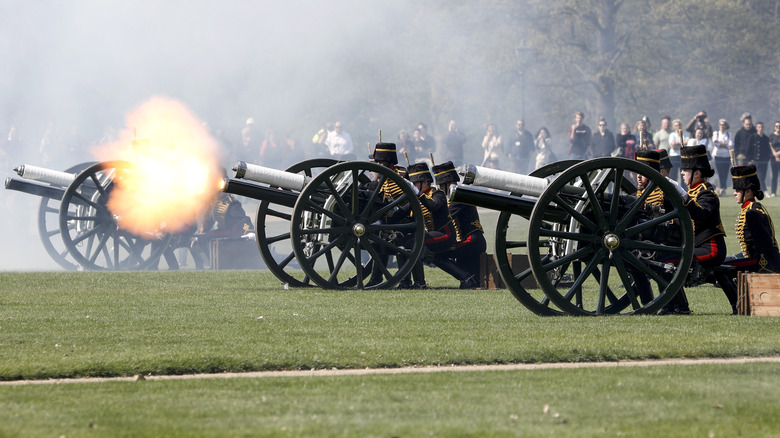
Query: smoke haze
pixel 73 70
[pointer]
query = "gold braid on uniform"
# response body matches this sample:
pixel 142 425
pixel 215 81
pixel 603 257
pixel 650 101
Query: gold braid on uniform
pixel 427 215
pixel 458 234
pixel 656 197
pixel 740 229
pixel 391 190
pixel 694 194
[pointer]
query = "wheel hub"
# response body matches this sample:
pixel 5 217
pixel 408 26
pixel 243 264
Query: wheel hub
pixel 611 241
pixel 358 229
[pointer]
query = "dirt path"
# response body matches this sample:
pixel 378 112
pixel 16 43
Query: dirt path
pixel 410 370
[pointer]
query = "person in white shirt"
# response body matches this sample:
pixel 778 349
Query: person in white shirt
pixel 722 144
pixel 339 144
pixel 675 142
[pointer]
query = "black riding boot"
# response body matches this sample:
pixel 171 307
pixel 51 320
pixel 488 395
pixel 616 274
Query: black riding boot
pixel 467 281
pixel 726 282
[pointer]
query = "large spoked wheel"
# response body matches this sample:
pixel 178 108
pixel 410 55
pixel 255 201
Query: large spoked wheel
pixel 508 243
pixel 341 226
pixel 273 231
pixel 597 260
pixel 91 233
pixel 49 226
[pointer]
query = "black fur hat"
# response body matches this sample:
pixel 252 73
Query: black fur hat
pixel 649 157
pixel 445 173
pixel 745 177
pixel 666 163
pixel 695 157
pixel 385 152
pixel 419 172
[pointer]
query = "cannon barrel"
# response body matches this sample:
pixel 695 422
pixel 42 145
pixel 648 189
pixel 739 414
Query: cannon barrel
pixel 282 197
pixel 501 202
pixel 34 188
pixel 273 177
pixel 516 183
pixel 42 174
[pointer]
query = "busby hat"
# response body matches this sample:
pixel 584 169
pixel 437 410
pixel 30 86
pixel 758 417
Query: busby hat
pixel 649 157
pixel 666 163
pixel 419 172
pixel 385 152
pixel 695 157
pixel 445 173
pixel 745 177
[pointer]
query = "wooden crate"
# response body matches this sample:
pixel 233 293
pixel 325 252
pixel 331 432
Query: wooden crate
pixel 235 253
pixel 489 277
pixel 758 294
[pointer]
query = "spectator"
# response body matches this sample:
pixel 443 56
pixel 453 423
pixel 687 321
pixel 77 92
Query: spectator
pixel 494 147
pixel 760 152
pixel 579 137
pixel 269 150
pixel 453 142
pixel 543 144
pixel 742 140
pixel 319 139
pixel 661 137
pixel 675 143
pixel 406 145
pixel 722 145
pixel 644 139
pixel 340 144
pixel 249 145
pixel 774 144
pixel 625 142
pixel 602 143
pixel 522 149
pixel 700 121
pixel 424 144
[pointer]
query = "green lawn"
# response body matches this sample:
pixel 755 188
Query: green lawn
pixel 60 325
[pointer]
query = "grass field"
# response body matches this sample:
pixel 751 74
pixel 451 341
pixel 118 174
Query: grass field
pixel 56 325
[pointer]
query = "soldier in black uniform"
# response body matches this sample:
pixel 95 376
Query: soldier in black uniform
pixel 703 206
pixel 439 235
pixel 470 238
pixel 385 155
pixel 755 231
pixel 227 218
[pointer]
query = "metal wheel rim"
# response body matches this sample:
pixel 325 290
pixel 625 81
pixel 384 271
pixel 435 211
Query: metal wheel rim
pixel 513 281
pixel 51 237
pixel 354 226
pixel 100 238
pixel 277 263
pixel 591 252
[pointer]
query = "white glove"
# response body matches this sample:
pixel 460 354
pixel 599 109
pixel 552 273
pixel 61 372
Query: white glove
pixel 415 189
pixel 250 236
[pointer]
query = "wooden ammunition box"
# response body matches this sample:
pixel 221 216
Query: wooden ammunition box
pixel 758 294
pixel 235 253
pixel 490 277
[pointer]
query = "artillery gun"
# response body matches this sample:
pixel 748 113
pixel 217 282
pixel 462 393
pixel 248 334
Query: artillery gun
pixel 339 224
pixel 74 223
pixel 591 242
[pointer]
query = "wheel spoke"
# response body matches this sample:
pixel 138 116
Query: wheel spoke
pixel 574 213
pixel 650 246
pixel 376 257
pixel 86 201
pixel 634 207
pixel 334 273
pixel 100 247
pixel 275 239
pixel 319 209
pixel 337 196
pixel 652 223
pixel 374 193
pixel 326 250
pixel 627 283
pixel 286 260
pixel 652 274
pixel 279 214
pixel 391 227
pixel 393 249
pixel 512 244
pixel 358 261
pixel 613 207
pixel 594 202
pixel 99 187
pixel 332 230
pixel 589 268
pixel 576 255
pixel 382 212
pixel 603 285
pixel 80 238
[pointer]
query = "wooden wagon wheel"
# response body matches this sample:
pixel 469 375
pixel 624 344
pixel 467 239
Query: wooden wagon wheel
pixel 339 226
pixel 275 246
pixel 90 231
pixel 506 246
pixel 49 226
pixel 612 239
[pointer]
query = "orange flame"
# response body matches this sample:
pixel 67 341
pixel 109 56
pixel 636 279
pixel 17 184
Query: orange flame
pixel 175 169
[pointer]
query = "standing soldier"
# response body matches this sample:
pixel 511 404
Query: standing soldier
pixel 470 239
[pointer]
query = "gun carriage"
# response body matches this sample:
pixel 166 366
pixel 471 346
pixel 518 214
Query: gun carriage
pixel 340 225
pixel 591 243
pixel 74 223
